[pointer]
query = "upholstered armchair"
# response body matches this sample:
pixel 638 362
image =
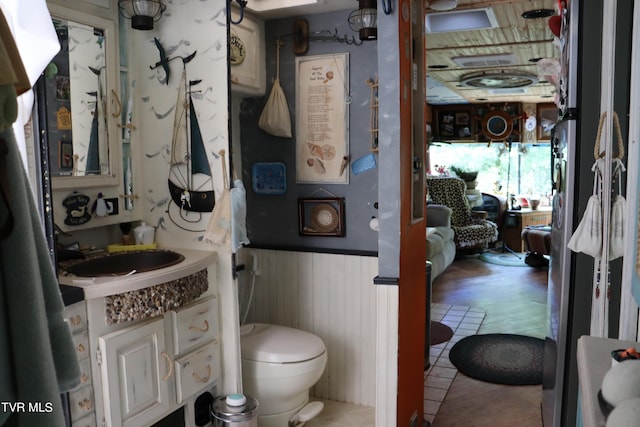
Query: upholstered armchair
pixel 470 231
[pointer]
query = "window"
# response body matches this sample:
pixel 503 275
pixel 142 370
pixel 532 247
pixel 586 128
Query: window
pixel 528 173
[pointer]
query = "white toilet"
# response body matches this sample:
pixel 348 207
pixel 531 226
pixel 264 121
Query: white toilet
pixel 279 366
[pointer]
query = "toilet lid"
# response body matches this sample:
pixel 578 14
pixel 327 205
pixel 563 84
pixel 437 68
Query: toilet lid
pixel 278 344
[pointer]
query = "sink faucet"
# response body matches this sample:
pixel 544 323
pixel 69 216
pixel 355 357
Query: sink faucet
pixel 68 252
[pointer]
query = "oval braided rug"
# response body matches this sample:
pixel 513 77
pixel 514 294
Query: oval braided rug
pixel 500 358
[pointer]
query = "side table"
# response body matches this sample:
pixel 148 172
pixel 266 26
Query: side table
pixel 518 220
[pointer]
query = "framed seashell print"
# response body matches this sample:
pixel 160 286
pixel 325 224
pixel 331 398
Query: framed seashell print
pixel 322 117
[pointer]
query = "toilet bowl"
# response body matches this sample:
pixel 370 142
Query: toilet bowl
pixel 279 366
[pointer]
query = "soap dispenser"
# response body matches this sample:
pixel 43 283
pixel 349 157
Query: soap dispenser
pixel 144 234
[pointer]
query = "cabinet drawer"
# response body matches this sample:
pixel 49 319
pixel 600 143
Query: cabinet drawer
pixel 195 325
pixel 76 316
pixel 197 369
pixel 543 218
pixel 86 421
pixel 81 402
pixel 81 344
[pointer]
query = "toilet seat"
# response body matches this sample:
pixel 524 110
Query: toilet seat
pixel 278 344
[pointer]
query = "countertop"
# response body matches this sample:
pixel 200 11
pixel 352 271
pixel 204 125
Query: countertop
pixel 98 287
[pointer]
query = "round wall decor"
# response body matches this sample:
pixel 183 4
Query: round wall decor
pixel 324 218
pixel 497 125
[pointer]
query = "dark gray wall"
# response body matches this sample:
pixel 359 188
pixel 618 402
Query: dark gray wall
pixel 272 220
pixel 589 74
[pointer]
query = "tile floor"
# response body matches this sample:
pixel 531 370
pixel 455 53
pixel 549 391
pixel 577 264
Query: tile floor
pixel 464 321
pixel 340 414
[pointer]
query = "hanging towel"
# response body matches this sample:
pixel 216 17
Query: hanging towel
pixel 36 347
pixel 218 230
pixel 238 216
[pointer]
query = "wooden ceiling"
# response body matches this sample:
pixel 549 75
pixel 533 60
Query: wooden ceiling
pixel 526 39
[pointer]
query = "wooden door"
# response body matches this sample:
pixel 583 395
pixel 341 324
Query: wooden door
pixel 412 281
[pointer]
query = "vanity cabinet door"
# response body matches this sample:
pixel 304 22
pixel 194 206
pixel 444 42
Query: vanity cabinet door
pixel 137 374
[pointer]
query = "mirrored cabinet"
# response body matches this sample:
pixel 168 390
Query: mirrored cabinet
pixel 78 88
pixel 83 114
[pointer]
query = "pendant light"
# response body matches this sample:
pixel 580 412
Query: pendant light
pixel 142 13
pixel 364 20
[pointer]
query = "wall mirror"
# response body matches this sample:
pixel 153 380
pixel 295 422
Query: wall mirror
pixel 77 90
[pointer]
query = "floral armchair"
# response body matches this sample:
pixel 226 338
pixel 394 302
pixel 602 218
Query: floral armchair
pixel 469 230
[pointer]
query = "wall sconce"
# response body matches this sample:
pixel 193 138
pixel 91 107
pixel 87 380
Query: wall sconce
pixel 142 13
pixel 364 20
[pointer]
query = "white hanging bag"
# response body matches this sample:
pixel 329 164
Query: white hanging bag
pixel 619 205
pixel 587 238
pixel 588 235
pixel 275 118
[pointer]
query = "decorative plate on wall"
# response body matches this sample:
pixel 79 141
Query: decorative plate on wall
pixel 237 50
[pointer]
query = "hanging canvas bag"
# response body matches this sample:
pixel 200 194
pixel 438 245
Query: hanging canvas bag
pixel 619 207
pixel 275 118
pixel 588 235
pixel 618 223
pixel 587 238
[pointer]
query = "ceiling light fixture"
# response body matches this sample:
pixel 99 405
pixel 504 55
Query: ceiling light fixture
pixel 498 80
pixel 443 5
pixel 461 20
pixel 364 20
pixel 142 13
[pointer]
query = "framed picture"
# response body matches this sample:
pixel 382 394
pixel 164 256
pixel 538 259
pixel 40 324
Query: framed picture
pixel 453 122
pixel 462 119
pixel 63 88
pixel 321 217
pixel 322 118
pixel 65 155
pixel 547 115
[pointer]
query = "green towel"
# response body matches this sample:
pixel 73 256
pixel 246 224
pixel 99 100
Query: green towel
pixel 41 355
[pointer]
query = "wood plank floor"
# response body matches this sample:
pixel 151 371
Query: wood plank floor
pixel 514 299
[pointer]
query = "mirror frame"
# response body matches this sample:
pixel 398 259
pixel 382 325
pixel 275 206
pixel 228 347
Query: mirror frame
pixel 112 83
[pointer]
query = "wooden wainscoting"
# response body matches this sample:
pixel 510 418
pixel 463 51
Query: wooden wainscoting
pixel 332 296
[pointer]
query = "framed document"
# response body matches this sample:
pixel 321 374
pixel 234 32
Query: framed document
pixel 322 119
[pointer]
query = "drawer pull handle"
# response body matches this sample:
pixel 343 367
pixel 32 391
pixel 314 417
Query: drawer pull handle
pixel 85 404
pixel 75 320
pixel 169 364
pixel 80 348
pixel 201 379
pixel 84 378
pixel 203 329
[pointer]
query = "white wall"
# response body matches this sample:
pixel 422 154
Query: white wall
pixel 185 27
pixel 332 296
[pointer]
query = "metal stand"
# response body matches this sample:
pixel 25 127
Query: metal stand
pixel 504 248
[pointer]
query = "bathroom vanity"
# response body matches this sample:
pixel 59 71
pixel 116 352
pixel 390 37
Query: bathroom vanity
pixel 148 343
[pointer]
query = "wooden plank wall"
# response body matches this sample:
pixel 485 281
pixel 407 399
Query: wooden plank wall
pixel 329 295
